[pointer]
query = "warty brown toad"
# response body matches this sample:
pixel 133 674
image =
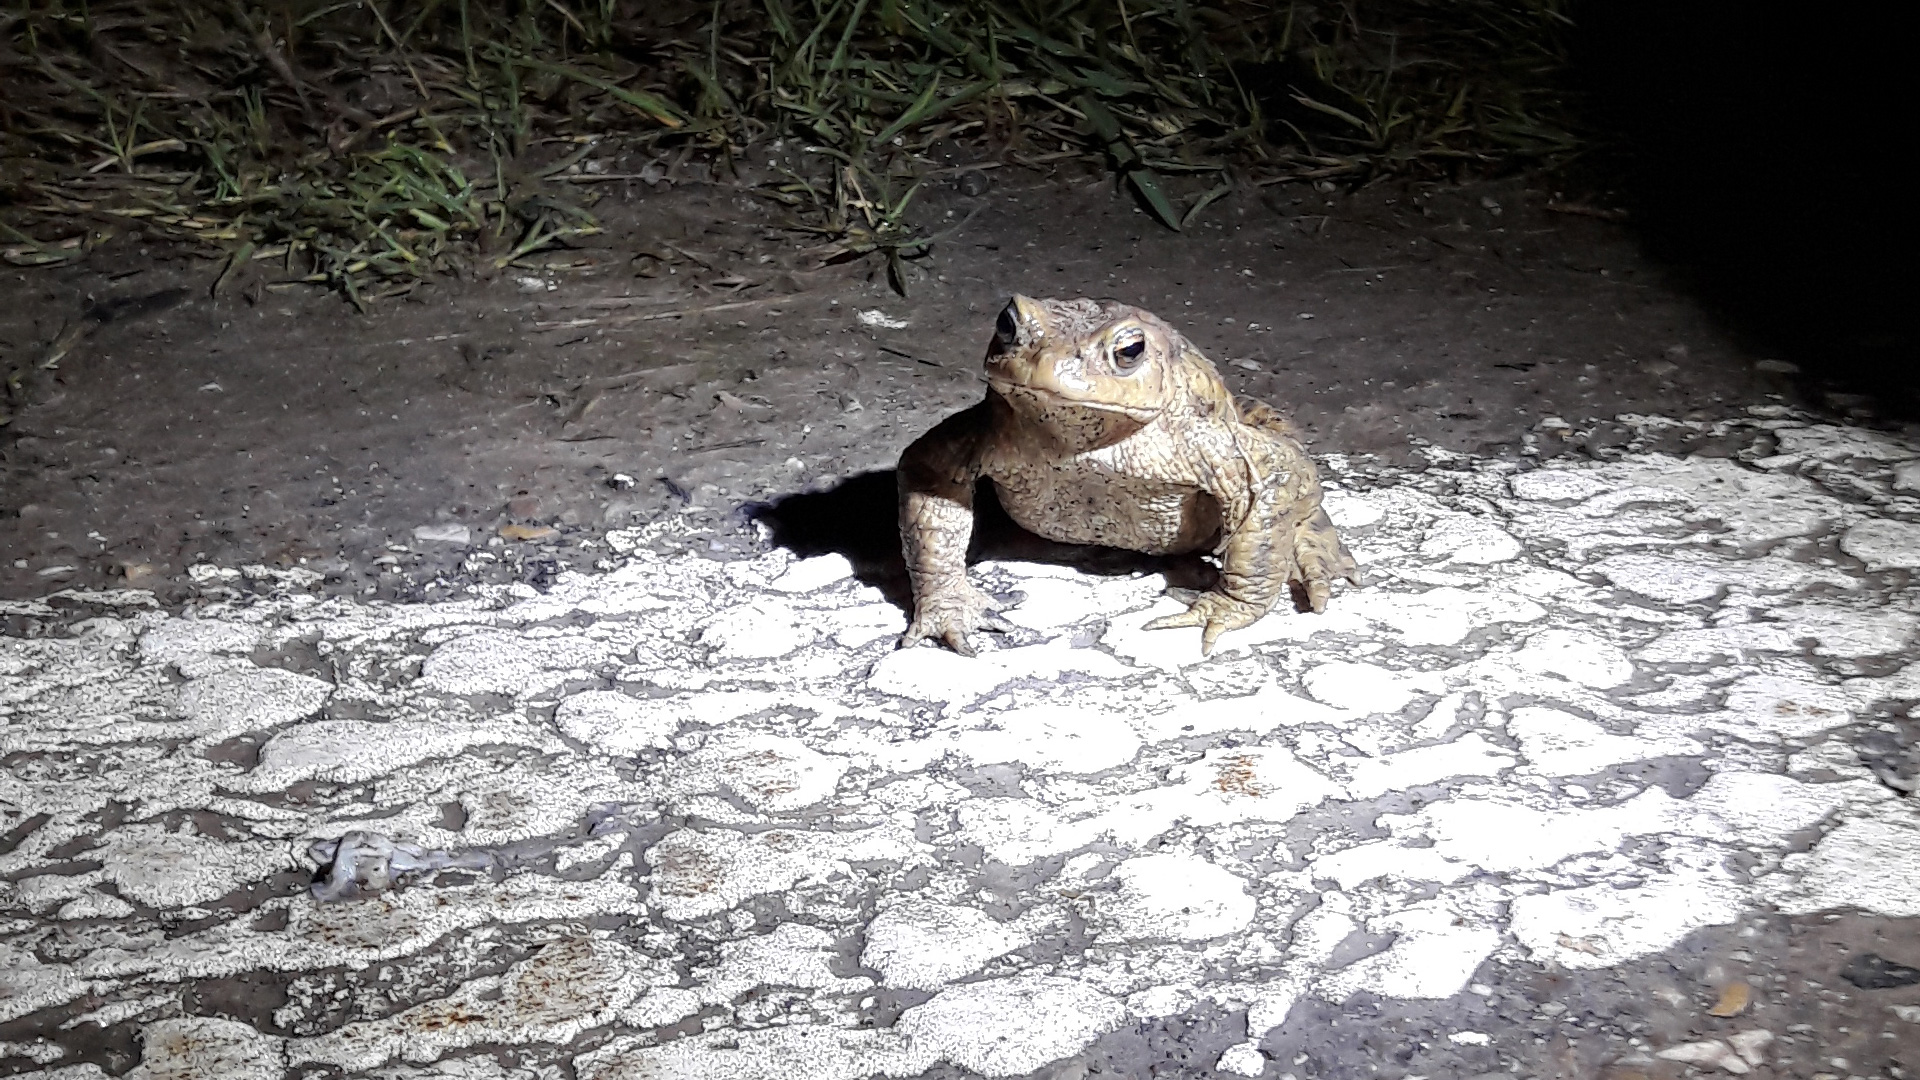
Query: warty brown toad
pixel 1103 425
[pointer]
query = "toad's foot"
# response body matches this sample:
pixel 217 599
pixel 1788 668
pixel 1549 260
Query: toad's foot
pixel 1214 613
pixel 949 612
pixel 1321 557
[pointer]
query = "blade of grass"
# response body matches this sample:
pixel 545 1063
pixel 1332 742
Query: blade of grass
pixel 1205 200
pixel 238 259
pixel 639 99
pixel 1128 161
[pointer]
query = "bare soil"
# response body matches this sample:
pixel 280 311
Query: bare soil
pixel 702 353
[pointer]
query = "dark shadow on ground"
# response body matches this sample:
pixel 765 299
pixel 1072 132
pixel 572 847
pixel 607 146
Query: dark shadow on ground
pixel 858 519
pixel 1760 159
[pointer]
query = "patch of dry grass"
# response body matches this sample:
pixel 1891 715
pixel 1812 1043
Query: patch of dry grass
pixel 366 145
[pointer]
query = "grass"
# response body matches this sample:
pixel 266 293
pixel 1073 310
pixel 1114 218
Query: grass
pixel 321 137
pixel 368 145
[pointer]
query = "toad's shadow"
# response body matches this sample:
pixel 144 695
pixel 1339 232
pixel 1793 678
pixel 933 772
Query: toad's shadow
pixel 859 518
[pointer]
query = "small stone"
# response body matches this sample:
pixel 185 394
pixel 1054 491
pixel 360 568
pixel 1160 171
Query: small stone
pixel 880 320
pixel 974 183
pixel 621 482
pixel 1243 1059
pixel 1734 999
pixel 139 575
pixel 1708 1052
pixel 443 534
pixel 1906 477
pixel 1778 367
pixel 1751 1045
pixel 1470 1038
pixel 1871 971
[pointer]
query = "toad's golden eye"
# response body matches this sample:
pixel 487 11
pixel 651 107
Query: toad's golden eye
pixel 1129 349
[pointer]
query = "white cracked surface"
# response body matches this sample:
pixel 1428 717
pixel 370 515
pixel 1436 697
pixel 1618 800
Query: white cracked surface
pixel 1176 896
pixel 922 945
pixel 193 1047
pixel 1012 1026
pixel 172 870
pixel 1586 708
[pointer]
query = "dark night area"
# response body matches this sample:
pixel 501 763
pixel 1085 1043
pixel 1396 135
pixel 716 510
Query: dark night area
pixel 1761 158
pixel 599 540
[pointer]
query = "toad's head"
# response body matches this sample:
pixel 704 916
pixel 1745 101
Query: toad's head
pixel 1092 372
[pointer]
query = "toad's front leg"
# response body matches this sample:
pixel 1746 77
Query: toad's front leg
pixel 1258 555
pixel 937 475
pixel 1321 557
pixel 1253 573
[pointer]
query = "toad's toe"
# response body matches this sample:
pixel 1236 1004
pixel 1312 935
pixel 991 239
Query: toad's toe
pixel 1215 614
pixel 949 614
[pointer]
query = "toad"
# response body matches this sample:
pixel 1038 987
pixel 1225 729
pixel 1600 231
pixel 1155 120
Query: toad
pixel 1103 425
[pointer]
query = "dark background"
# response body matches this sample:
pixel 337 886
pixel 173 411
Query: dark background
pixel 1763 151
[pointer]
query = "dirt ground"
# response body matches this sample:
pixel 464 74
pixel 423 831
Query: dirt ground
pixel 698 356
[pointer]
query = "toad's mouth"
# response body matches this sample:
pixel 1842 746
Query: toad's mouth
pixel 1046 399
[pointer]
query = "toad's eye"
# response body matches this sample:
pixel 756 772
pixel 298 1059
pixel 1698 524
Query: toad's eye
pixel 1006 333
pixel 1129 349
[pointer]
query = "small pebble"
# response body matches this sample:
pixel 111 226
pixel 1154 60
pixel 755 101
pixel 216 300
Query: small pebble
pixel 1734 999
pixel 443 534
